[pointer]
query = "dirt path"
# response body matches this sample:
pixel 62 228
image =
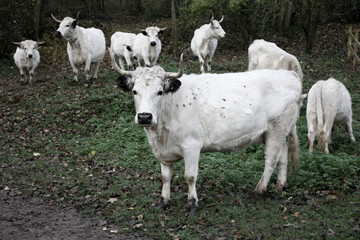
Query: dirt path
pixel 30 219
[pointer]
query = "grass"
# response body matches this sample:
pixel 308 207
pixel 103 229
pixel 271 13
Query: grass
pixel 79 144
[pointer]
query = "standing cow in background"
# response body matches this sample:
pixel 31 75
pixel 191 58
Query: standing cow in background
pixel 267 55
pixel 147 46
pixel 121 49
pixel 85 45
pixel 215 113
pixel 329 102
pixel 27 58
pixel 205 40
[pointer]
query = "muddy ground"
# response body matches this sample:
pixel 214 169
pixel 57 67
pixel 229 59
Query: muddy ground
pixel 24 217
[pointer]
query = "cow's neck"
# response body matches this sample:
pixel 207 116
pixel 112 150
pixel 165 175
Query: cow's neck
pixel 206 39
pixel 74 41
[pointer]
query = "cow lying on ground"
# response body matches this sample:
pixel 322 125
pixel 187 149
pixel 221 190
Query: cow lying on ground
pixel 267 55
pixel 329 102
pixel 121 48
pixel 27 58
pixel 205 40
pixel 215 112
pixel 85 45
pixel 147 46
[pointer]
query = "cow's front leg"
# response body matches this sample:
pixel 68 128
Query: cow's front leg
pixel 87 67
pixel 75 70
pixel 191 172
pixel 202 62
pixel 147 62
pixel 166 173
pixel 22 75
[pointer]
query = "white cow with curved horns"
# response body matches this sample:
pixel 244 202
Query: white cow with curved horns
pixel 85 45
pixel 205 40
pixel 214 113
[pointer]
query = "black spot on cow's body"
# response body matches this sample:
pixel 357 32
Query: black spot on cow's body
pixel 224 99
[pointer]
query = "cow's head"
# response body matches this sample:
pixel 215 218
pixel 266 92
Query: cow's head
pixel 153 34
pixel 216 30
pixel 151 87
pixel 67 27
pixel 28 46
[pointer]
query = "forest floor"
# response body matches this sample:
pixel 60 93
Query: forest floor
pixel 28 217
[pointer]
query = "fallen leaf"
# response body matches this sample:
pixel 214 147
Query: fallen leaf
pixel 112 200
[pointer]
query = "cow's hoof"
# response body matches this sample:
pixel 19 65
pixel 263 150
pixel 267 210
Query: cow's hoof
pixel 192 207
pixel 254 195
pixel 162 204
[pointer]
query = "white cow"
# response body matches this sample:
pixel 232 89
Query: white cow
pixel 121 48
pixel 147 46
pixel 27 58
pixel 215 112
pixel 205 40
pixel 329 102
pixel 85 45
pixel 267 55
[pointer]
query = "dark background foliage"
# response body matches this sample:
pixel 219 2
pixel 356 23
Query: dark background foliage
pixel 244 21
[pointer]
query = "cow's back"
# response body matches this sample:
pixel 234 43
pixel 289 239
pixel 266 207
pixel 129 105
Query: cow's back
pixel 233 110
pixel 92 41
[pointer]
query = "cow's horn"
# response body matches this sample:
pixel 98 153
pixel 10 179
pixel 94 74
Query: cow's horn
pixel 118 69
pixel 222 18
pixel 180 72
pixel 55 19
pixel 77 16
pixel 212 16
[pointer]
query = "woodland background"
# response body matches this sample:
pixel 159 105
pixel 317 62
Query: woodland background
pixel 245 20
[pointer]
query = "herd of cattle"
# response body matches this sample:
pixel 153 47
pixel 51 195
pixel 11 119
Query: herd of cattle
pixel 184 115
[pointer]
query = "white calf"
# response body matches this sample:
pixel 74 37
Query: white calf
pixel 329 102
pixel 27 58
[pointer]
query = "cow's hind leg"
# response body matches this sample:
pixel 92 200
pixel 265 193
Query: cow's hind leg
pixel 273 153
pixel 97 65
pixel 348 126
pixel 282 168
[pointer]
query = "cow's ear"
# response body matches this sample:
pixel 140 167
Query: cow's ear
pixel 172 85
pixel 125 83
pixel 161 31
pixel 74 24
pixel 144 33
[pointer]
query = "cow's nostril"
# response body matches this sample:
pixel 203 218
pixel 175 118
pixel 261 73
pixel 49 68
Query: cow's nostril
pixel 153 43
pixel 144 118
pixel 30 55
pixel 58 34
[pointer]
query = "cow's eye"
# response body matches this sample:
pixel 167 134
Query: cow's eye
pixel 67 26
pixel 160 93
pixel 134 92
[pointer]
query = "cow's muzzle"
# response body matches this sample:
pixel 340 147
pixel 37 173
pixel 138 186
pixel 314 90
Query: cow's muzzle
pixel 58 34
pixel 144 118
pixel 153 43
pixel 30 56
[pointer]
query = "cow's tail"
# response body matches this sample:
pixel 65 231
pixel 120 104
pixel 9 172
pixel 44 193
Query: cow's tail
pixel 320 118
pixel 293 149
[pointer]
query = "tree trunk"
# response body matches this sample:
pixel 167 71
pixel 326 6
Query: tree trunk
pixel 174 28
